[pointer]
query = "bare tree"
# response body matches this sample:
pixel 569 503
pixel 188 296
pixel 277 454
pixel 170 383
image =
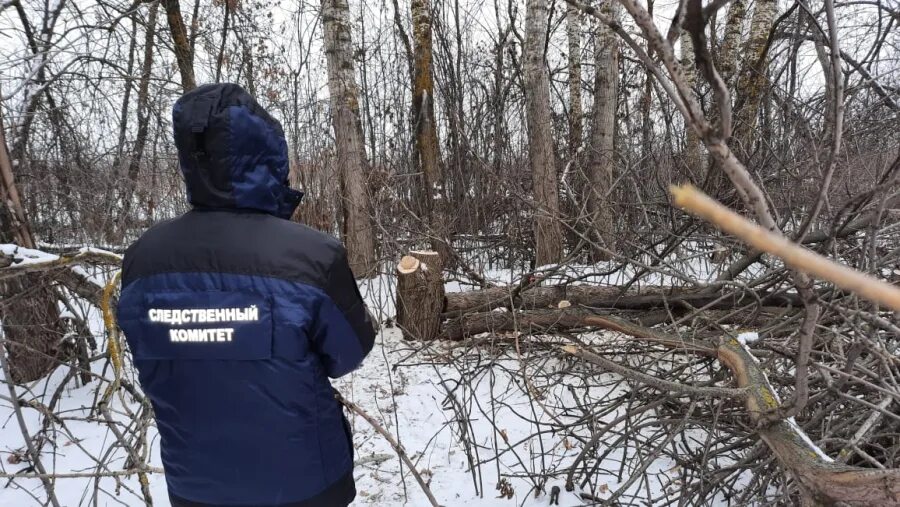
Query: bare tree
pixel 425 127
pixel 601 146
pixel 691 141
pixel 351 156
pixel 547 232
pixel 184 54
pixel 576 113
pixel 753 76
pixel 143 121
pixel 440 96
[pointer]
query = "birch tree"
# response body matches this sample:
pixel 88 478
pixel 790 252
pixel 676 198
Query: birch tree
pixel 728 52
pixel 751 81
pixel 691 154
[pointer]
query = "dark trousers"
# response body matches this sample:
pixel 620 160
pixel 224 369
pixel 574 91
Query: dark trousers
pixel 339 494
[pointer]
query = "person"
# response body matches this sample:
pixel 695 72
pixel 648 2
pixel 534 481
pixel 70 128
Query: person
pixel 236 317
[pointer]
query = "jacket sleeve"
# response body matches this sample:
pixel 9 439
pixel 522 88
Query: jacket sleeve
pixel 344 329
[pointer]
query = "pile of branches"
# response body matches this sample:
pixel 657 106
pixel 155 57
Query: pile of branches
pixel 669 367
pixel 679 352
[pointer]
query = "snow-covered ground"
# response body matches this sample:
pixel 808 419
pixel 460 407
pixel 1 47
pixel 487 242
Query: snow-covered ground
pixel 445 426
pixel 410 401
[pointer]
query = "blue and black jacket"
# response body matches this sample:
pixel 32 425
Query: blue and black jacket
pixel 236 317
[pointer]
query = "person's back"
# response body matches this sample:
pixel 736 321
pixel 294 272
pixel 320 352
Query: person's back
pixel 236 317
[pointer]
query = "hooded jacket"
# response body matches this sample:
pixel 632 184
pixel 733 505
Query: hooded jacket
pixel 236 317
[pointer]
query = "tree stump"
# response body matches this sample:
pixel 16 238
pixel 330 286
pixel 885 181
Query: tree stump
pixel 420 295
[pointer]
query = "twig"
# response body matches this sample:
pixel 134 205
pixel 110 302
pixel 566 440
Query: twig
pixel 83 475
pixel 654 382
pixel 32 451
pixel 353 407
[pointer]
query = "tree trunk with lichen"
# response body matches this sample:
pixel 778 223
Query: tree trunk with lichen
pixel 728 52
pixel 751 79
pixel 184 54
pixel 427 149
pixel 359 236
pixel 821 480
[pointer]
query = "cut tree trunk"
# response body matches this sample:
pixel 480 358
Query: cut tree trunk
pixel 602 297
pixel 564 319
pixel 555 320
pixel 420 295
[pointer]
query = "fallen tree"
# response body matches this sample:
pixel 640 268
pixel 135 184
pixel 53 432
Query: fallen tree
pixel 506 313
pixel 426 312
pixel 610 297
pixel 45 273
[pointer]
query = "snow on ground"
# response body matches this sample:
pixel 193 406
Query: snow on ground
pixel 410 398
pixel 416 396
pixel 748 338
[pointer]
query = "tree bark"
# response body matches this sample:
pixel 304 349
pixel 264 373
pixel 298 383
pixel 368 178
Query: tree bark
pixel 184 54
pixel 576 112
pixel 591 296
pixel 427 149
pixel 420 295
pixel 751 80
pixel 691 154
pixel 547 233
pixel 15 226
pixel 601 145
pixel 716 182
pixel 728 53
pixel 359 235
pixel 562 319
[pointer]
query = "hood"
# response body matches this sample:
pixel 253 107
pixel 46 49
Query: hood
pixel 232 153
